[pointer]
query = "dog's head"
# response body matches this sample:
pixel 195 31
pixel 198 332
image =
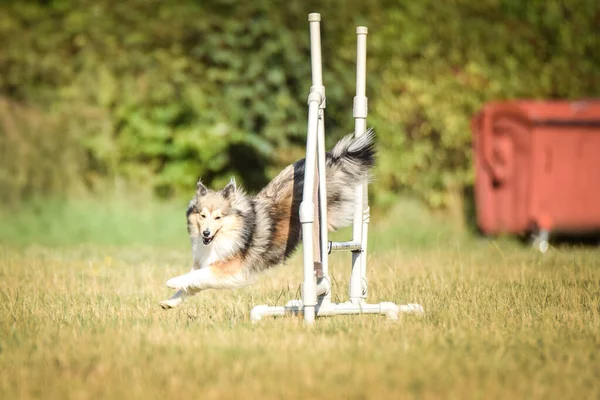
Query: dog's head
pixel 210 211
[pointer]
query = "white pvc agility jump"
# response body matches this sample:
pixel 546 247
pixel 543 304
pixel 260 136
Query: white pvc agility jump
pixel 316 288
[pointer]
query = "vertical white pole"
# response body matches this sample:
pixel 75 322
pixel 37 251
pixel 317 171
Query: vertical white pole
pixel 307 210
pixel 314 20
pixel 365 232
pixel 360 113
pixel 317 85
pixel 307 207
pixel 360 100
pixel 360 125
pixel 323 198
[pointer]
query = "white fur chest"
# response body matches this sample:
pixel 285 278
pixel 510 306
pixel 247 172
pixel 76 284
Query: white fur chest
pixel 205 255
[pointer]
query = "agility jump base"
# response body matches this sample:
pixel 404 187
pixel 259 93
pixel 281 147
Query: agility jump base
pixel 316 288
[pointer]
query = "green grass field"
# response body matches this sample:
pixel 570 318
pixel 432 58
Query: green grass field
pixel 79 317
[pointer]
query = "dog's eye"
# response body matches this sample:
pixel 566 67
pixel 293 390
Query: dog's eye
pixel 217 217
pixel 203 216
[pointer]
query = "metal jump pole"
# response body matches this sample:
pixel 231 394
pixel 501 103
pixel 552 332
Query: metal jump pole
pixel 316 287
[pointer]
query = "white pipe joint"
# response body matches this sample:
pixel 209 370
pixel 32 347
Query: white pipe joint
pixel 257 313
pixel 314 17
pixel 307 212
pixel 360 107
pixel 321 91
pixel 315 96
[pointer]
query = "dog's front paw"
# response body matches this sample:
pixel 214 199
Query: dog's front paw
pixel 171 303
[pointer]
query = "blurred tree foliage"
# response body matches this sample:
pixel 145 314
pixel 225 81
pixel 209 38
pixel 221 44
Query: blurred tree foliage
pixel 443 60
pixel 149 93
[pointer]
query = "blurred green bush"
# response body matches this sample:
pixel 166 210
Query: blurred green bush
pixel 153 94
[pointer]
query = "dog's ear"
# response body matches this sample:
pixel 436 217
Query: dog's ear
pixel 201 190
pixel 230 189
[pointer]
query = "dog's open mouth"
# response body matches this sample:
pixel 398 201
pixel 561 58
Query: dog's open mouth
pixel 208 240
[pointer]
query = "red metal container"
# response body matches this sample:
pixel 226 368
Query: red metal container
pixel 537 166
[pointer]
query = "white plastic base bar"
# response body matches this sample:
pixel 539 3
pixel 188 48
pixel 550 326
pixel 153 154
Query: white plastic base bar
pixel 294 307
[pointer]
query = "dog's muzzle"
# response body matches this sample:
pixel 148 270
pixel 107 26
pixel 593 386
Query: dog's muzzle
pixel 206 238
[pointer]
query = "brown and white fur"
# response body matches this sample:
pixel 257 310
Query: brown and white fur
pixel 234 235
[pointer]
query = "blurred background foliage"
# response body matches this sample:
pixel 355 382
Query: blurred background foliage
pixel 127 96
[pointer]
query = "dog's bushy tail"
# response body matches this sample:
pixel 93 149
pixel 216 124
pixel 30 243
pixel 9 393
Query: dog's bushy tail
pixel 348 164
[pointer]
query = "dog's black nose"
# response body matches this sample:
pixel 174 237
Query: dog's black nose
pixel 206 233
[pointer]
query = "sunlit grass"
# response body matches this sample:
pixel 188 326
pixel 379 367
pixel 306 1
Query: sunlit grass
pixel 502 321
